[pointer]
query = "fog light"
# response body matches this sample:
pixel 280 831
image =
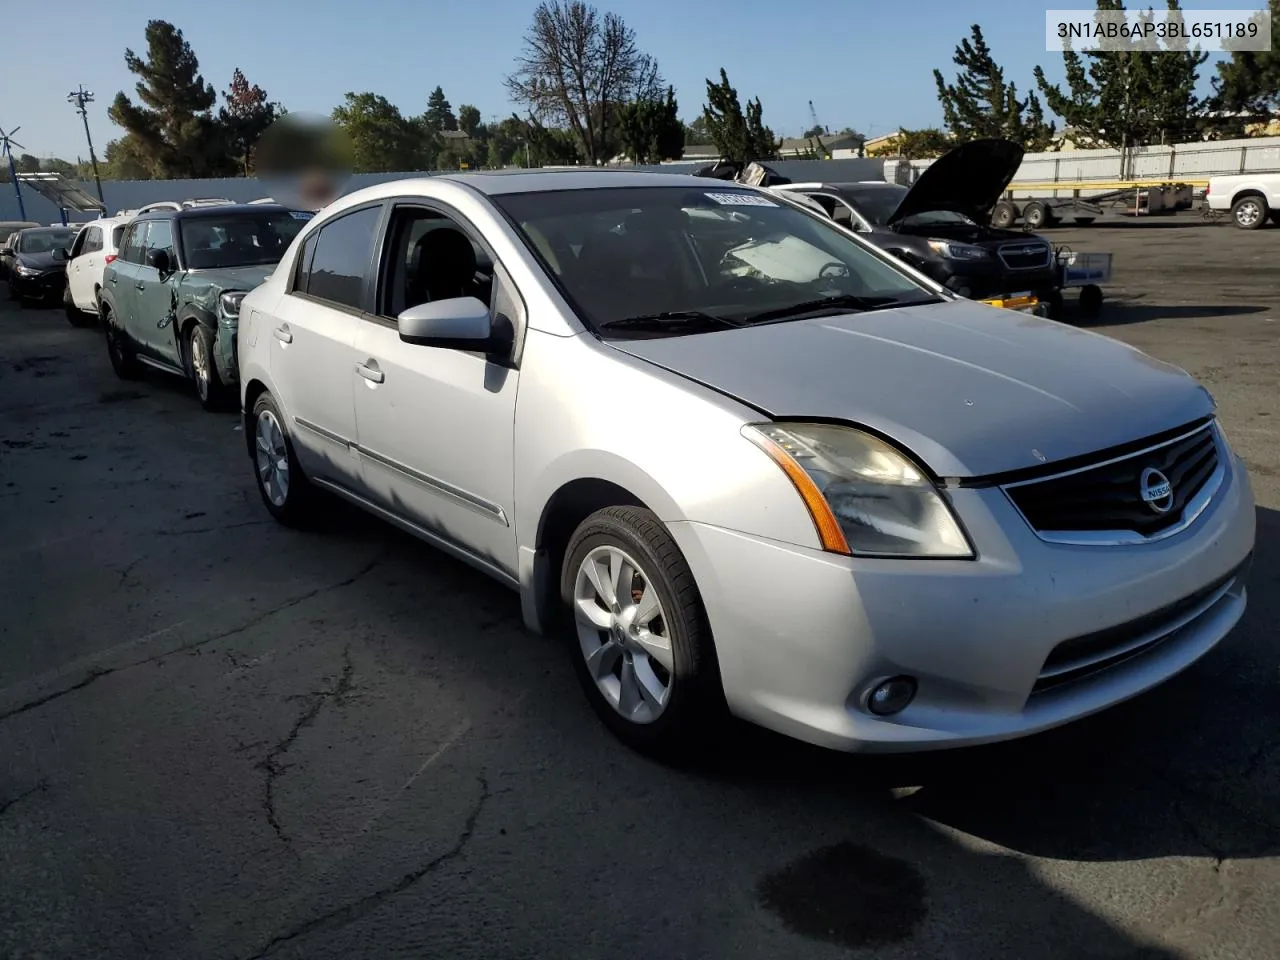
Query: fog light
pixel 891 696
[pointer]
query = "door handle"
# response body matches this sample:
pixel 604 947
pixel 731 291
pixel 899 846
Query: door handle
pixel 140 286
pixel 370 371
pixel 283 334
pixel 111 279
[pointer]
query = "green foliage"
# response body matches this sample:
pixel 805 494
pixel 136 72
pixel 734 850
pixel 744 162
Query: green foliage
pixel 739 135
pixel 922 144
pixel 382 139
pixel 1249 83
pixel 1121 96
pixel 244 117
pixel 439 116
pixel 980 104
pixel 173 120
pixel 651 129
pixel 469 121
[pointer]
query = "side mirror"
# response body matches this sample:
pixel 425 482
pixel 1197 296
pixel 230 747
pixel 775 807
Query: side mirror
pixel 461 323
pixel 60 254
pixel 160 260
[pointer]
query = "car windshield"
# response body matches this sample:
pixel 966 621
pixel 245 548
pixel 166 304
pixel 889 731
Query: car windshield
pixel 878 204
pixel 715 252
pixel 42 241
pixel 239 240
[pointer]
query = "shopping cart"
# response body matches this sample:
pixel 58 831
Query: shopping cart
pixel 1084 271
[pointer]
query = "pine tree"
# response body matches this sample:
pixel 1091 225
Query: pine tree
pixel 439 116
pixel 1249 83
pixel 980 104
pixel 244 117
pixel 174 122
pixel 739 136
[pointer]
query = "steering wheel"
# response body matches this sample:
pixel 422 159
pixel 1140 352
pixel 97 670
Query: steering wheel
pixel 832 270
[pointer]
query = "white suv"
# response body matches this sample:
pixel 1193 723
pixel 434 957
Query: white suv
pixel 97 244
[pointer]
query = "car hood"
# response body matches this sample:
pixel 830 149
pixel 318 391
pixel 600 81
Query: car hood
pixel 971 390
pixel 967 180
pixel 232 278
pixel 39 261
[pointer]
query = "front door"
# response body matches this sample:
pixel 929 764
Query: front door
pixel 77 275
pixel 436 426
pixel 155 303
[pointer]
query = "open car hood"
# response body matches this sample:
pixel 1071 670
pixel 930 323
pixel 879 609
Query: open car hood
pixel 968 180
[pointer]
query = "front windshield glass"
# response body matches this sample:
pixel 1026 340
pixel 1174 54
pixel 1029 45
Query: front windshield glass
pixel 42 241
pixel 648 251
pixel 240 239
pixel 878 204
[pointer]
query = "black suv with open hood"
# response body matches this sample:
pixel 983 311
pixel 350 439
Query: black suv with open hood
pixel 941 225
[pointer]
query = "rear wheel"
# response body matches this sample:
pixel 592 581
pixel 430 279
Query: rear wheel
pixel 641 645
pixel 1090 301
pixel 1035 215
pixel 287 493
pixel 120 351
pixel 1003 215
pixel 1249 213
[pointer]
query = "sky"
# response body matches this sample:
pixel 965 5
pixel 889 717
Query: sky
pixel 864 63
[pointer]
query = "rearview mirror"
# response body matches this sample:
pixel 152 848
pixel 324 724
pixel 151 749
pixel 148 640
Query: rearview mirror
pixel 160 260
pixel 60 254
pixel 461 323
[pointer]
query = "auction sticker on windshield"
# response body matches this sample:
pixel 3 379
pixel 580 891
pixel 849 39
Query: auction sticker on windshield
pixel 740 200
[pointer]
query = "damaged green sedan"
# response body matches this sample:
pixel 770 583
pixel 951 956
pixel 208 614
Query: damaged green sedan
pixel 171 299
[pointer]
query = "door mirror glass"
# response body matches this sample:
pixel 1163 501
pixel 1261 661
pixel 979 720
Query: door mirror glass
pixel 60 254
pixel 160 260
pixel 462 323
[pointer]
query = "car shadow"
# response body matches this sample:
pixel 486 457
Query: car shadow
pixel 1118 313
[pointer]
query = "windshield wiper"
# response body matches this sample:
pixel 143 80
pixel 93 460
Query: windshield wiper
pixel 669 319
pixel 840 302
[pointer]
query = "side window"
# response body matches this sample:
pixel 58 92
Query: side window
pixel 81 245
pixel 160 237
pixel 429 256
pixel 117 234
pixel 303 265
pixel 134 243
pixel 93 242
pixel 342 258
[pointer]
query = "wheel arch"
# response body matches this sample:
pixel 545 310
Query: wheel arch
pixel 1249 192
pixel 253 389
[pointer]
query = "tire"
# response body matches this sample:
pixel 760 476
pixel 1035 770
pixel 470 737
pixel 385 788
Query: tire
pixel 292 503
pixel 203 371
pixel 1275 217
pixel 1003 215
pixel 75 316
pixel 1035 215
pixel 1250 212
pixel 13 294
pixel 119 350
pixel 1054 303
pixel 1090 301
pixel 681 715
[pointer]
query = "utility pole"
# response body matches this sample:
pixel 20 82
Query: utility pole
pixel 80 97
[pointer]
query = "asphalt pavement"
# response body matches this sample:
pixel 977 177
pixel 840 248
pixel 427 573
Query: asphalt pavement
pixel 223 739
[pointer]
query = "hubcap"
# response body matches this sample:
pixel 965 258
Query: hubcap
pixel 272 458
pixel 1248 213
pixel 200 365
pixel 623 634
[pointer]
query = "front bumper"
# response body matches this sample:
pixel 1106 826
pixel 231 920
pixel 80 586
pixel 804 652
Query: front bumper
pixel 801 634
pixel 42 286
pixel 984 279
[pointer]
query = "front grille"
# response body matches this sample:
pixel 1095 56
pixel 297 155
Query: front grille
pixel 1109 498
pixel 1087 655
pixel 1025 256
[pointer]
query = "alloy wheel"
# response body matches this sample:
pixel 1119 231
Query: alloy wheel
pixel 1248 213
pixel 200 365
pixel 622 632
pixel 272 458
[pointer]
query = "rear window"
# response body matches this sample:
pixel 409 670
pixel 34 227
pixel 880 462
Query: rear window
pixel 117 234
pixel 238 240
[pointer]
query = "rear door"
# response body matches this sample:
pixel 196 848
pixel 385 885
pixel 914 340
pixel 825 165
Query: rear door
pixel 121 278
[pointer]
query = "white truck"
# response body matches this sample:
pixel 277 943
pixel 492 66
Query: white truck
pixel 1252 198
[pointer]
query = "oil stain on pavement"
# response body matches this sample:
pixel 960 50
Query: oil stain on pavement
pixel 848 895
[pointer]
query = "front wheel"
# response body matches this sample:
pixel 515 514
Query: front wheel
pixel 120 351
pixel 641 645
pixel 286 491
pixel 204 372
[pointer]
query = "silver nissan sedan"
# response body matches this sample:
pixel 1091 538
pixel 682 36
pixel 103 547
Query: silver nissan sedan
pixel 744 462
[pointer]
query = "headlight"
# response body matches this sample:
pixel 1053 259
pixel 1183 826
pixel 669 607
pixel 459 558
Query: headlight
pixel 957 251
pixel 866 498
pixel 230 303
pixel 22 270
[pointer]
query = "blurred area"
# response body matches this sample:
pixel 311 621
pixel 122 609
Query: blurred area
pixel 304 160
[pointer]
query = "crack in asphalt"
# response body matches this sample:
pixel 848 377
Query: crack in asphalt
pixel 225 526
pixel 38 788
pixel 272 765
pixel 98 673
pixel 350 912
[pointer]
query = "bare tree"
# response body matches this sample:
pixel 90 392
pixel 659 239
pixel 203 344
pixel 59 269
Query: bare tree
pixel 578 69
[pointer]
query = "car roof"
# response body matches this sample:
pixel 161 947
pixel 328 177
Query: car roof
pixel 500 182
pixel 212 210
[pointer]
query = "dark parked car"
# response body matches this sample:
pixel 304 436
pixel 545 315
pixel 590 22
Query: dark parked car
pixel 941 225
pixel 171 299
pixel 10 228
pixel 33 266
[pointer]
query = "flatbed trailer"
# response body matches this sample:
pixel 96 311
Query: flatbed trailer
pixel 1089 200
